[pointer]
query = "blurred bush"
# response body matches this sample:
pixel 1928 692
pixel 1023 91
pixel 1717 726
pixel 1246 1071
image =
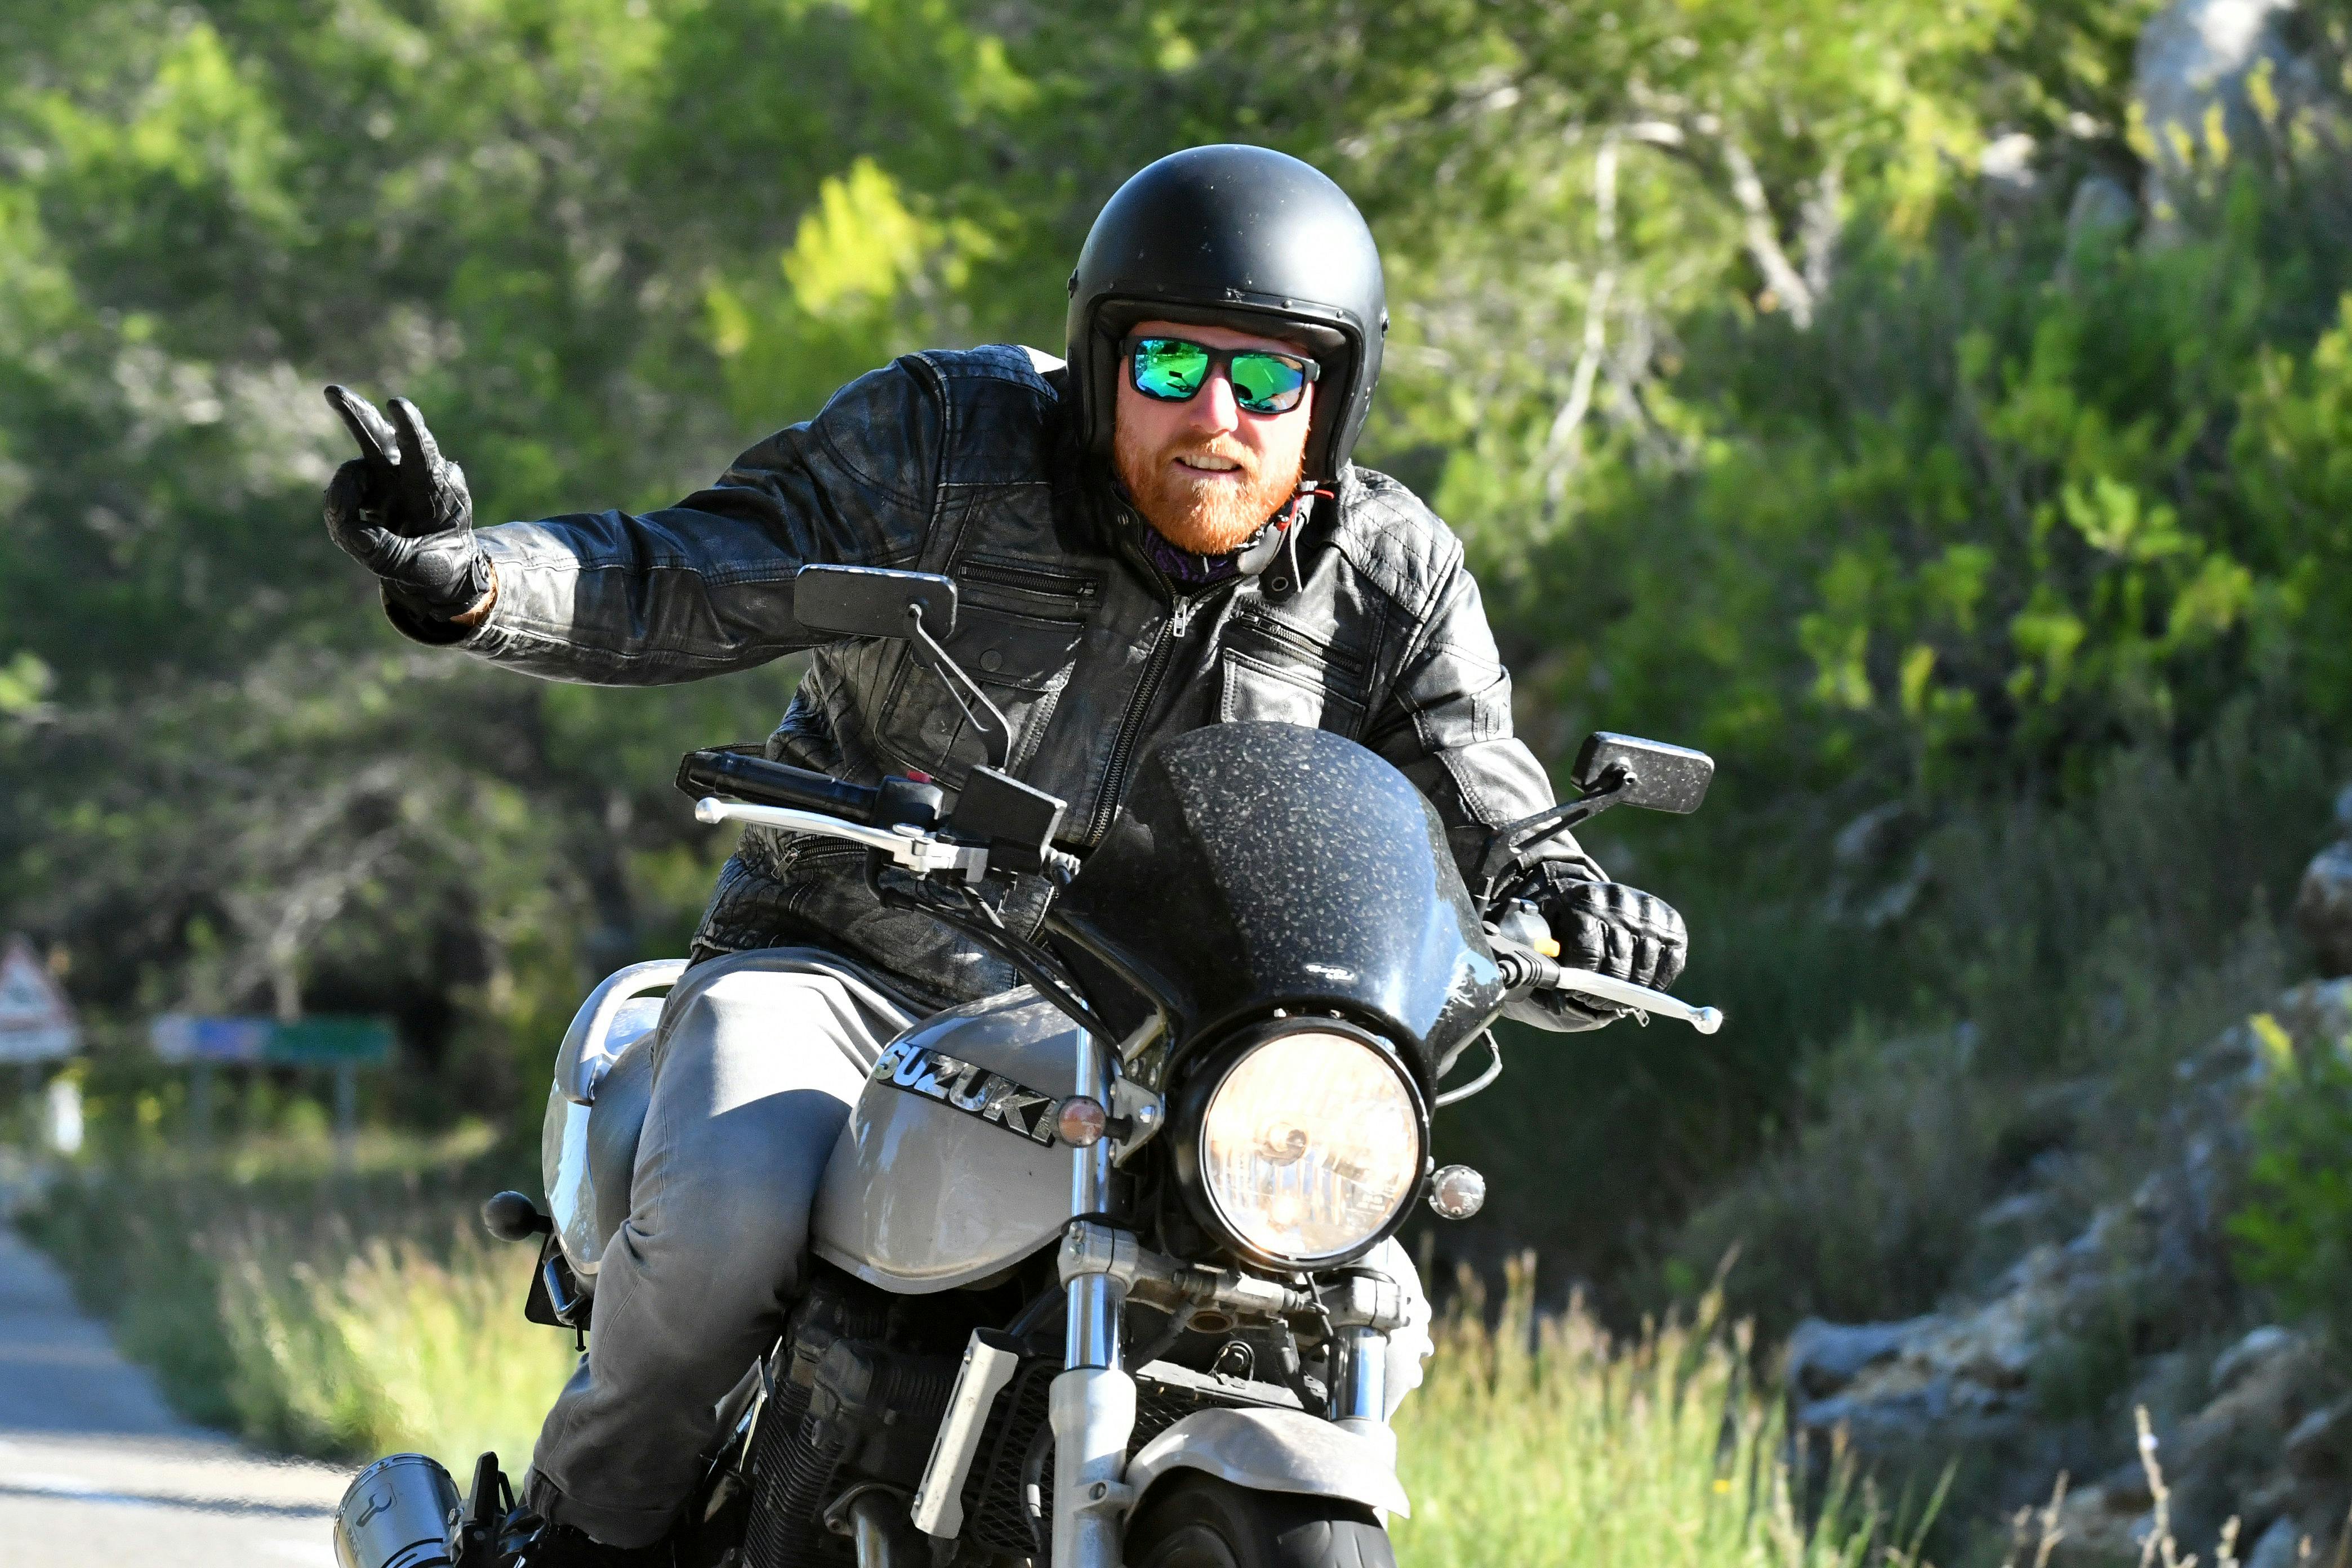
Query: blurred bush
pixel 2295 1229
pixel 2075 955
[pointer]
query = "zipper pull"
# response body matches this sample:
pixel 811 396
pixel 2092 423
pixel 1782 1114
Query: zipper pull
pixel 1183 618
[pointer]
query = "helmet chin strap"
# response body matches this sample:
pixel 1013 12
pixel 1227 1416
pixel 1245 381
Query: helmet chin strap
pixel 1277 542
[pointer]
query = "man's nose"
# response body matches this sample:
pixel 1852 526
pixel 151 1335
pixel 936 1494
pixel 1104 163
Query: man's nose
pixel 1212 411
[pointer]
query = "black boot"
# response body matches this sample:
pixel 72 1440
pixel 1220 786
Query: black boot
pixel 526 1541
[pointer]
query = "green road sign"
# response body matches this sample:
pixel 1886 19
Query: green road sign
pixel 331 1039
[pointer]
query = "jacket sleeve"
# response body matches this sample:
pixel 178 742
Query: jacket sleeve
pixel 706 586
pixel 1447 726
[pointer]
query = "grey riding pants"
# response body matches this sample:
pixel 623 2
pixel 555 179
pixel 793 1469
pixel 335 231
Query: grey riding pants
pixel 756 1062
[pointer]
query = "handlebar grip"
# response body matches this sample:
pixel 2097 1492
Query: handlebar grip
pixel 765 783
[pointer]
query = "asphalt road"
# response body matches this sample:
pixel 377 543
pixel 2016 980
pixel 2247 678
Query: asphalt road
pixel 95 1471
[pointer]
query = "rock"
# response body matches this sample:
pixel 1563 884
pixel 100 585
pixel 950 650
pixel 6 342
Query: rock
pixel 2125 1486
pixel 2321 1442
pixel 2316 1011
pixel 2323 907
pixel 2101 209
pixel 2006 167
pixel 2193 58
pixel 2016 1222
pixel 2279 1547
pixel 2261 1431
pixel 2250 1355
pixel 2104 1524
pixel 1824 1357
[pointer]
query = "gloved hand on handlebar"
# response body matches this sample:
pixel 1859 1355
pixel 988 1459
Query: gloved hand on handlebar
pixel 401 510
pixel 1608 928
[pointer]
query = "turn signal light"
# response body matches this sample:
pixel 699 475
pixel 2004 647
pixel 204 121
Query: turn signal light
pixel 1081 1121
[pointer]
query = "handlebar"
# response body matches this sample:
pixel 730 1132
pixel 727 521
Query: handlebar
pixel 765 783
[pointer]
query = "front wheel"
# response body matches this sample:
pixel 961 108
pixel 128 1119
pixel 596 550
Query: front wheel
pixel 1195 1521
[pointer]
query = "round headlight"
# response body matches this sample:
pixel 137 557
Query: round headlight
pixel 1310 1144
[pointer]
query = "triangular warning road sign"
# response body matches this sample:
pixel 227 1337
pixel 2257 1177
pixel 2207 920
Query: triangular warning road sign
pixel 36 1019
pixel 29 999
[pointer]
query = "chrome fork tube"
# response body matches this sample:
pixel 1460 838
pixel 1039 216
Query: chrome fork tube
pixel 1361 1402
pixel 1095 1300
pixel 1092 1408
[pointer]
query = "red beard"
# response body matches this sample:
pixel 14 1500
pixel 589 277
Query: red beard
pixel 1206 516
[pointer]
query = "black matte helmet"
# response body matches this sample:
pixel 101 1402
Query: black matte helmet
pixel 1244 238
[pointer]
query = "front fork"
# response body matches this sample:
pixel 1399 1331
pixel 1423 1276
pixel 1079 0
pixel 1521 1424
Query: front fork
pixel 1093 1405
pixel 1092 1408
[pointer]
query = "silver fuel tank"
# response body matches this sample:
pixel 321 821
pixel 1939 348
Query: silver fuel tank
pixel 949 1169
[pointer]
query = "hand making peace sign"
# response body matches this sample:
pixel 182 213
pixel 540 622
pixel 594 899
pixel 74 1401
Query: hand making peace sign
pixel 400 509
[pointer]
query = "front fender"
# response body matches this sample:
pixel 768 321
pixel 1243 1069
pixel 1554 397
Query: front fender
pixel 1274 1450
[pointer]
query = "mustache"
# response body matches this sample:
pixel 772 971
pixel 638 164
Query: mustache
pixel 1240 457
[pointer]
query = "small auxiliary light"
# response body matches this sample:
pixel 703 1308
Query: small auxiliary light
pixel 1457 1192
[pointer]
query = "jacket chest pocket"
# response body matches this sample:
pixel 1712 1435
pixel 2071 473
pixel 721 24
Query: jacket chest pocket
pixel 1271 670
pixel 1019 636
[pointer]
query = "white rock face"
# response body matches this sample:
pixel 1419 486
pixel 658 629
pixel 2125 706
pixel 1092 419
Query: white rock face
pixel 2194 55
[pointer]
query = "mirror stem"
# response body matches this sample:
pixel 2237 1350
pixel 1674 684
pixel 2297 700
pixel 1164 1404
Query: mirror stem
pixel 1507 849
pixel 988 720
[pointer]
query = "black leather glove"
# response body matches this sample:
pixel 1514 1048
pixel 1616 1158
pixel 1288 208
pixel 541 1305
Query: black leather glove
pixel 401 510
pixel 1608 928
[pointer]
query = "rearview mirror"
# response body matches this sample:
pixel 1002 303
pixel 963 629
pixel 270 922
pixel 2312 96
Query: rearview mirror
pixel 1649 774
pixel 870 601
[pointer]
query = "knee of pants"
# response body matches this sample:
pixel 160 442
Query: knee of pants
pixel 740 1127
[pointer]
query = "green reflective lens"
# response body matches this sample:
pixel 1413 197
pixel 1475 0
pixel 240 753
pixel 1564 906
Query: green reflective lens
pixel 1267 384
pixel 1169 368
pixel 1173 369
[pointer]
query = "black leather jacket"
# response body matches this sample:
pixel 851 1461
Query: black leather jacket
pixel 955 462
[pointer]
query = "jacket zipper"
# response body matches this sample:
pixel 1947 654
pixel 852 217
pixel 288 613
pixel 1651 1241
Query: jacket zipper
pixel 1298 642
pixel 1130 725
pixel 1054 584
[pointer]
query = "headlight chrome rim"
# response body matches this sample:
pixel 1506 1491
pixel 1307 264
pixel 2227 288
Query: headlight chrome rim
pixel 1202 1096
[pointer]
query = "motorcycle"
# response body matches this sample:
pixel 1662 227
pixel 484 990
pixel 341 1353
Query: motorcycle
pixel 1094 1277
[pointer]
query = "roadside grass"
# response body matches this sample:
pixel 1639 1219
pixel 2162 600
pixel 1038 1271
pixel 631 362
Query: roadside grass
pixel 368 1319
pixel 369 1347
pixel 338 1317
pixel 1538 1439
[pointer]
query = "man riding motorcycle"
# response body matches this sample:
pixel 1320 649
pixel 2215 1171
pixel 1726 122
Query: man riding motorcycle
pixel 1162 532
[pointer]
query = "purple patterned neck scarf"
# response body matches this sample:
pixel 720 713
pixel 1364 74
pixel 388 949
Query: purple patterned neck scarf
pixel 1183 568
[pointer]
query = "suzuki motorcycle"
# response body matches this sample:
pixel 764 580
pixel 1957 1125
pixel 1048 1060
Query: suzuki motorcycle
pixel 1094 1279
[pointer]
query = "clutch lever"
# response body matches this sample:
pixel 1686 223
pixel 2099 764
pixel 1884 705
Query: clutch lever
pixel 918 851
pixel 1625 994
pixel 1526 970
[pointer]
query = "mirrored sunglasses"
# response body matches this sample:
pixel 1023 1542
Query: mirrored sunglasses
pixel 1172 369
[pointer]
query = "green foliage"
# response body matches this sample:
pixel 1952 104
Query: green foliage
pixel 2296 1228
pixel 2100 943
pixel 1767 429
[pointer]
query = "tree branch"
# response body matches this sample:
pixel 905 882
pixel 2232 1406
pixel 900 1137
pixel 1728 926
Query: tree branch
pixel 1561 447
pixel 1762 236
